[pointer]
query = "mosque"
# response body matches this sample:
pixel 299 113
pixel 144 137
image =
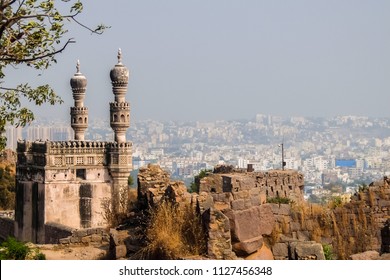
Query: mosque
pixel 66 182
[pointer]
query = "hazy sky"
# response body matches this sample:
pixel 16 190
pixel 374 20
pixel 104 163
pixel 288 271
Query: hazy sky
pixel 225 59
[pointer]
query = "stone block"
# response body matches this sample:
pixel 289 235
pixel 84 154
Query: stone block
pixel 251 223
pixel 114 238
pixel 75 239
pixel 247 203
pixel 96 238
pixel 120 251
pixel 64 240
pixel 285 209
pixel 264 253
pixel 306 250
pixel 248 246
pixel 241 194
pixel 275 208
pixel 303 235
pixel 254 191
pixel 85 239
pixel 91 231
pixel 295 226
pixel 280 250
pixel 384 203
pixel 368 255
pixel 80 233
pixel 238 204
pixel 255 200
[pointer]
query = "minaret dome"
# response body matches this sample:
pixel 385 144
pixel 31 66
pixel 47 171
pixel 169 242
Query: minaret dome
pixel 119 74
pixel 78 82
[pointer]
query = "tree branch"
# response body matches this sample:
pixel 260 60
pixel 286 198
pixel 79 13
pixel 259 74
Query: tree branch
pixel 86 27
pixel 39 57
pixel 3 6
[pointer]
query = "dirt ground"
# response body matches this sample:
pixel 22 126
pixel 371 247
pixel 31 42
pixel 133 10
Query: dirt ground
pixel 74 252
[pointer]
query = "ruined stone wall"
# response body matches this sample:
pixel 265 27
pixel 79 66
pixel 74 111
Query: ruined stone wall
pixel 355 227
pixel 155 183
pixel 241 197
pixel 256 185
pixel 7 226
pixel 60 234
pixel 232 203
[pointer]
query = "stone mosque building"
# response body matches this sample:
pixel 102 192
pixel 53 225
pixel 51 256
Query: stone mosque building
pixel 65 182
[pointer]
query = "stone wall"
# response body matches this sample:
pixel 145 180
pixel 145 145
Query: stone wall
pixel 358 226
pixel 7 227
pixel 232 203
pixel 60 234
pixel 155 183
pixel 255 186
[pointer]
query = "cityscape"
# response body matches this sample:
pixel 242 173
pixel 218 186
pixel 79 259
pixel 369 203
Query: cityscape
pixel 347 151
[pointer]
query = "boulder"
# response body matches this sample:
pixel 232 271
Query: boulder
pixel 248 246
pixel 306 250
pixel 251 223
pixel 264 253
pixel 280 251
pixel 368 255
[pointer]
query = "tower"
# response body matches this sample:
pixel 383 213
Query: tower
pixel 79 113
pixel 120 163
pixel 119 109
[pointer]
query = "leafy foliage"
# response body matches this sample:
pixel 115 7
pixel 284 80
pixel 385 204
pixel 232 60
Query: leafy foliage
pixel 7 187
pixel 11 249
pixel 279 200
pixel 328 251
pixel 194 187
pixel 31 33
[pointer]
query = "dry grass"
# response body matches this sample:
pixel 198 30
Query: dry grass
pixel 173 233
pixel 371 197
pixel 128 203
pixel 275 235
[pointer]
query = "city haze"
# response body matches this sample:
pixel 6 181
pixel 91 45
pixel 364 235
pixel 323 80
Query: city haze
pixel 210 60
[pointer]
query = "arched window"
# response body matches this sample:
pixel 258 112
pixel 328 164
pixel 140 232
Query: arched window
pixel 123 118
pixel 80 120
pixel 115 118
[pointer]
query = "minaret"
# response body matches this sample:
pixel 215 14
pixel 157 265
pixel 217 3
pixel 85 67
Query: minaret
pixel 119 109
pixel 79 113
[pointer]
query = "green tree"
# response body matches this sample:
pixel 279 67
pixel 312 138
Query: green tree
pixel 195 185
pixel 32 33
pixel 130 181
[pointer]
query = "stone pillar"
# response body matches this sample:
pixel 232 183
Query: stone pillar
pixel 79 113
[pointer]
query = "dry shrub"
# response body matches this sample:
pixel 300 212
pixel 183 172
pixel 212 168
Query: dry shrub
pixel 382 193
pixel 275 234
pixel 371 197
pixel 127 203
pixel 285 226
pixel 173 232
pixel 316 233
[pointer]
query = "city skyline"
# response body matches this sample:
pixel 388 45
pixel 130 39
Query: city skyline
pixel 214 60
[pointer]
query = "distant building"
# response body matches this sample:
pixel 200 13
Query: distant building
pixel 351 163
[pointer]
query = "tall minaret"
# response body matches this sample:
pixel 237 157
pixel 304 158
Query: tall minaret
pixel 79 113
pixel 119 109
